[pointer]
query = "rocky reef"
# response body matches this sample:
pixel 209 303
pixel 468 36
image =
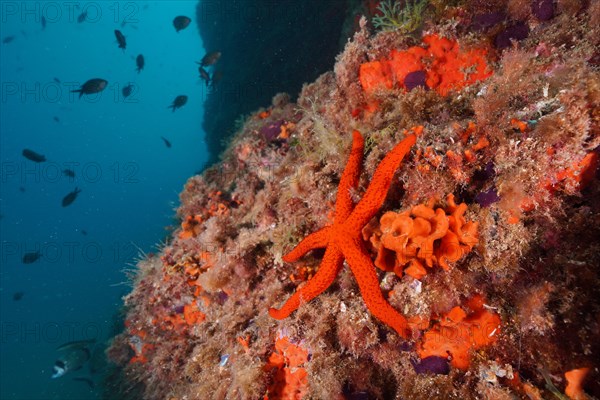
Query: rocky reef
pixel 422 222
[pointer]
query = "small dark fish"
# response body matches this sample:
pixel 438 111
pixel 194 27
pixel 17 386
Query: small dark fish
pixel 178 102
pixel 95 85
pixel 82 17
pixel 43 22
pixel 204 75
pixel 21 189
pixel 56 80
pixel 140 62
pixel 127 90
pixel 210 59
pixel 181 22
pixel 8 39
pixel 18 296
pixel 33 156
pixel 89 382
pixel 70 198
pixel 31 257
pixel 84 232
pixel 167 143
pixel 56 119
pixel 68 172
pixel 120 39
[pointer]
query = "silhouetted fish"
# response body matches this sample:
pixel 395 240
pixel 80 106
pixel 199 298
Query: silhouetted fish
pixel 56 80
pixel 95 85
pixel 43 22
pixel 167 143
pixel 210 59
pixel 8 39
pixel 84 232
pixel 70 198
pixel 31 257
pixel 120 39
pixel 18 296
pixel 56 119
pixel 33 156
pixel 181 22
pixel 21 189
pixel 82 17
pixel 69 172
pixel 178 102
pixel 140 62
pixel 204 75
pixel 127 90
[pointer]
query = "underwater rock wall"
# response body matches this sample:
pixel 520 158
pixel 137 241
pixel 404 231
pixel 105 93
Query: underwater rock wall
pixel 267 47
pixel 483 240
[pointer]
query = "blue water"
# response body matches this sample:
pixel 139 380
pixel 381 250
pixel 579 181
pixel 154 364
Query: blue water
pixel 129 179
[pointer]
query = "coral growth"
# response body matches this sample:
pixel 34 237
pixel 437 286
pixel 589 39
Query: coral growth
pixel 508 95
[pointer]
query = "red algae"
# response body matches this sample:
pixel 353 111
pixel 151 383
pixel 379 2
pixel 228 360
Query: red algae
pixel 497 286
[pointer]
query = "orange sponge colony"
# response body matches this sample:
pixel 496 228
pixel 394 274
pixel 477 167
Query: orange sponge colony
pixel 422 236
pixel 439 65
pixel 191 227
pixel 457 334
pixel 575 379
pixel 290 381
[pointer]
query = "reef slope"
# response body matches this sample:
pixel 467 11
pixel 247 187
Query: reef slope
pixel 487 241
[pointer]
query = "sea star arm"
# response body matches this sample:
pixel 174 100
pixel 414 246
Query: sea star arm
pixel 343 201
pixel 364 271
pixel 377 191
pixel 350 177
pixel 315 240
pixel 330 266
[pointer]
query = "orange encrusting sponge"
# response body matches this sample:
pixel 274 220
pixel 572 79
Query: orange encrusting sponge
pixel 290 380
pixel 445 65
pixel 458 333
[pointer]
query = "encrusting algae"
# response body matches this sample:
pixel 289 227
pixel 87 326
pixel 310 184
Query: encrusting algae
pixel 426 216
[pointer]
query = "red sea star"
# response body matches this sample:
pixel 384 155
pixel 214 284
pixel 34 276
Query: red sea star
pixel 342 240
